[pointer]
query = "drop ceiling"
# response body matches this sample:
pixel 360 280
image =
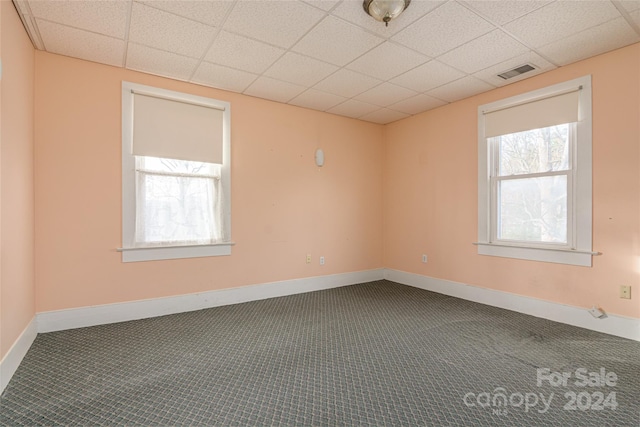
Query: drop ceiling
pixel 328 55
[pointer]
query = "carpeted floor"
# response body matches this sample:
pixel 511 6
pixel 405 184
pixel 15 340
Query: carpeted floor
pixel 372 354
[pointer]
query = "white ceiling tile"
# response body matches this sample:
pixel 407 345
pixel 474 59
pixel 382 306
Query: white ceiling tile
pixel 242 53
pixel 353 11
pixel 447 27
pixel 630 5
pixel 460 89
pixel 490 75
pixel 428 76
pixel 635 15
pixel 165 31
pixel 325 5
pixel 559 20
pixel 299 69
pixel 81 44
pixel 154 61
pixel 384 116
pixel 501 12
pixel 170 37
pixel 417 104
pixel 317 100
pixel 328 42
pixel 347 83
pixel 104 17
pixel 387 60
pixel 275 90
pixel 483 52
pixel 223 77
pixel 353 108
pixel 210 12
pixel 594 41
pixel 385 95
pixel 280 23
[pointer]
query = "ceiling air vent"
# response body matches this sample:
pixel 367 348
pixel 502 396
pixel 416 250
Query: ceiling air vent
pixel 517 71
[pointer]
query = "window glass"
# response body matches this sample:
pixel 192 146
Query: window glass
pixel 533 209
pixel 529 206
pixel 176 201
pixel 534 151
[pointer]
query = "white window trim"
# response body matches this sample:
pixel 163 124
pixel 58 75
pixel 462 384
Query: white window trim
pixel 131 253
pixel 582 253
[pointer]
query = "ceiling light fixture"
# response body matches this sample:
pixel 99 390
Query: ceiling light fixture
pixel 385 10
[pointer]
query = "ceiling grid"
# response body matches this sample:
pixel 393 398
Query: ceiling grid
pixel 329 55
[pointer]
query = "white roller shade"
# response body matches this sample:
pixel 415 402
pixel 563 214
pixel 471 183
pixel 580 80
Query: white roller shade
pixel 176 130
pixel 542 113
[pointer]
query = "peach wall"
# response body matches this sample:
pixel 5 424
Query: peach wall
pixel 430 194
pixel 17 305
pixel 283 206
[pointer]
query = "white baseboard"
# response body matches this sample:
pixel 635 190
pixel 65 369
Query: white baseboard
pixel 620 326
pixel 16 353
pixel 59 320
pixel 111 313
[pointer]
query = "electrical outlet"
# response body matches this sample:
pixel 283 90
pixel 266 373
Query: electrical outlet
pixel 625 292
pixel 424 258
pixel 308 258
pixel 321 260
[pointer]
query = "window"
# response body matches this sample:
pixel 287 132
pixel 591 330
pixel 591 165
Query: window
pixel 176 202
pixel 175 175
pixel 534 175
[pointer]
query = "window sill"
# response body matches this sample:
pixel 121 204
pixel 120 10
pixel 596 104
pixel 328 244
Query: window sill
pixel 558 256
pixel 174 252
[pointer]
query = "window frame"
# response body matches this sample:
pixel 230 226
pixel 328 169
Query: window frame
pixel 133 253
pixel 578 250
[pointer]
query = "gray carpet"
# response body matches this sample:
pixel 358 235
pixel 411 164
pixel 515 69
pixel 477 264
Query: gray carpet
pixel 371 354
